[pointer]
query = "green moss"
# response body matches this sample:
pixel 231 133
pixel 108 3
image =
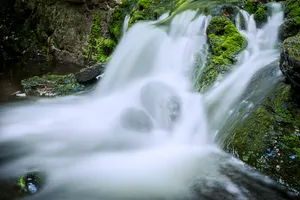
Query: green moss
pixel 261 15
pixel 258 9
pixel 292 8
pixel 269 137
pixel 250 6
pixel 152 9
pixel 99 48
pixel 292 46
pixel 51 85
pixel 225 43
pixel 289 28
pixel 116 24
pixel 143 4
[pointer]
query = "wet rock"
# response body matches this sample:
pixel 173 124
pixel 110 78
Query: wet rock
pixel 56 29
pixel 289 28
pixel 268 138
pixel 162 103
pixel 51 85
pixel 290 60
pixel 225 43
pixel 89 74
pixel 136 120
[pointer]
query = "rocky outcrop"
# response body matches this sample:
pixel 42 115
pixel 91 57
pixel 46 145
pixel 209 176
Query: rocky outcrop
pixel 56 30
pixel 290 60
pixel 291 25
pixel 289 28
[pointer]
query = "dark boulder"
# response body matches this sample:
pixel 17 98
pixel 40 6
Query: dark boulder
pixel 90 73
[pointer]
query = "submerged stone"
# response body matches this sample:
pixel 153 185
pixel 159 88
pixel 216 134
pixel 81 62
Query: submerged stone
pixel 136 120
pixel 162 103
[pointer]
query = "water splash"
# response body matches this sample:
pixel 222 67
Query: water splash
pixel 144 133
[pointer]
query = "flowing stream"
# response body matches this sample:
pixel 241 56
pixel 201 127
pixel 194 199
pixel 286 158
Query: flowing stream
pixel 144 132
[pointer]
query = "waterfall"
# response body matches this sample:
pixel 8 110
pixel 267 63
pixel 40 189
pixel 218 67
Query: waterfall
pixel 144 132
pixel 126 23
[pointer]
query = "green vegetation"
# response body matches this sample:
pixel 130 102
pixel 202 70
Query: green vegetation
pixel 225 43
pixel 51 85
pixel 99 48
pixel 269 137
pixel 258 9
pixel 119 14
pixel 293 9
pixel 152 9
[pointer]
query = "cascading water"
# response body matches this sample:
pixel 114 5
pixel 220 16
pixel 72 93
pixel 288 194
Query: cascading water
pixel 144 133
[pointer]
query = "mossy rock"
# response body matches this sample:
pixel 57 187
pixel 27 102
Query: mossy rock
pixel 289 28
pixel 51 85
pixel 118 17
pixel 290 60
pixel 225 43
pixel 259 10
pixel 152 9
pixel 292 9
pixel 99 48
pixel 269 137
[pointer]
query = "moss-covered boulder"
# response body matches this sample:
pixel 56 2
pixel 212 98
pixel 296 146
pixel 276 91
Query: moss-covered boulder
pixel 51 85
pixel 269 137
pixel 289 28
pixel 290 60
pixel 291 25
pixel 292 9
pixel 225 43
pixel 259 9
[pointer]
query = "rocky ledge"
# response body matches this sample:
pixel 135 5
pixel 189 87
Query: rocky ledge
pixel 51 85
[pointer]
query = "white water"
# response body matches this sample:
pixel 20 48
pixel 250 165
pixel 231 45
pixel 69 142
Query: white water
pixel 126 23
pixel 144 131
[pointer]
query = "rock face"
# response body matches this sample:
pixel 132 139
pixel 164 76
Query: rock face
pixel 56 29
pixel 290 60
